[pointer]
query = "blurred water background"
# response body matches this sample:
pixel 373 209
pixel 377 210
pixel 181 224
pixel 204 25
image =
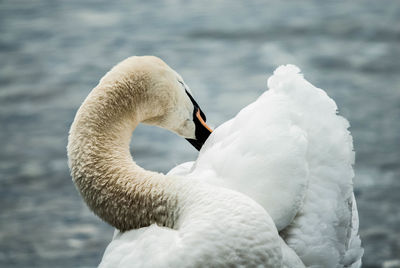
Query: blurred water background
pixel 52 53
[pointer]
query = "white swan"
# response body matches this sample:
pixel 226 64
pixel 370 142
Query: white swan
pixel 196 215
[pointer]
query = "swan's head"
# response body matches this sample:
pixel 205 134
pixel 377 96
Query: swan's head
pixel 161 97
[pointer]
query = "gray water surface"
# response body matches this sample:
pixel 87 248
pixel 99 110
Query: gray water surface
pixel 52 53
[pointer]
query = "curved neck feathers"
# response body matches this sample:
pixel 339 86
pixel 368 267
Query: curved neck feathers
pixel 112 184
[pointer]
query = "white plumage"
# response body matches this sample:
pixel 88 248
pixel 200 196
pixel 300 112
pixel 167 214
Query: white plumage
pixel 291 153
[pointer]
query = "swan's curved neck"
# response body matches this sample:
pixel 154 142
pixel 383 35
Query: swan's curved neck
pixel 112 184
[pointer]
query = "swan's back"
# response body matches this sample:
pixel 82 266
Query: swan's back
pixel 293 154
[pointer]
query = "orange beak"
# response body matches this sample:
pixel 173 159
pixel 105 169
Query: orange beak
pixel 198 115
pixel 202 131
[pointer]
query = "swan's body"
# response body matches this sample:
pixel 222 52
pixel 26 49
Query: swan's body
pixel 293 154
pixel 262 172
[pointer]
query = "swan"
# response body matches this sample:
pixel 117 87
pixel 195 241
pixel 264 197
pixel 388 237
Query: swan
pixel 265 190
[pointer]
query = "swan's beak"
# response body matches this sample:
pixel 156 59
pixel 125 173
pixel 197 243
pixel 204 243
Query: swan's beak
pixel 203 131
